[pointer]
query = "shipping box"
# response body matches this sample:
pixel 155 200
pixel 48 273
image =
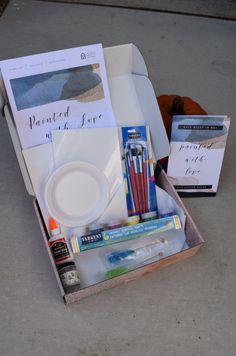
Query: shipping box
pixel 134 103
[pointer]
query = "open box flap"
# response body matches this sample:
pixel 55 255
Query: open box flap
pixel 124 59
pixel 132 95
pixel 133 101
pixel 152 115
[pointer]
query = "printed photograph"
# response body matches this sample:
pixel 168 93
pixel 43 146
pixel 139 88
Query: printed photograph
pixel 83 84
pixel 213 130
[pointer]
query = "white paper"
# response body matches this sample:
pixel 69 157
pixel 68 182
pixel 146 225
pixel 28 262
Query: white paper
pixel 197 151
pixel 58 90
pixel 40 164
pixel 100 148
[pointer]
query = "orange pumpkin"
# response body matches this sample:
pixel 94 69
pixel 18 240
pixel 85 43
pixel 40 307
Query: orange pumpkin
pixel 176 105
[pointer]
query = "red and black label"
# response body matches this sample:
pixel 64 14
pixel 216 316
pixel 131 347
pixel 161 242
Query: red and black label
pixel 59 250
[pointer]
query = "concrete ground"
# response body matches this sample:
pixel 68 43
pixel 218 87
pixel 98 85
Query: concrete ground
pixel 185 309
pixel 224 9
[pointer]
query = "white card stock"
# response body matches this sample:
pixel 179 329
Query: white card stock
pixel 101 149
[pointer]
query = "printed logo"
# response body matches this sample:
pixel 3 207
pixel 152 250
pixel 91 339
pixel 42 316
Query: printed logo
pixel 106 237
pixel 134 135
pixel 88 239
pixel 83 56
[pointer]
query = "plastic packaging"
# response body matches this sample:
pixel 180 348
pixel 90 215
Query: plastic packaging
pixel 128 255
pixel 138 170
pixel 138 255
pixel 94 265
pixel 131 231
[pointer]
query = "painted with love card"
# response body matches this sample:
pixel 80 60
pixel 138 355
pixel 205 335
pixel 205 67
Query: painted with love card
pixel 197 151
pixel 64 89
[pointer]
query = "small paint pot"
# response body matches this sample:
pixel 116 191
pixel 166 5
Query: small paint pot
pixel 132 220
pixel 69 276
pixel 114 225
pixel 151 215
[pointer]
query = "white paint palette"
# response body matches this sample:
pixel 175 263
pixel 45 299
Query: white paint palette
pixel 76 194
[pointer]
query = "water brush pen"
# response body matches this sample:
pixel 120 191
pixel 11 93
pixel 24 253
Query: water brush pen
pixel 135 256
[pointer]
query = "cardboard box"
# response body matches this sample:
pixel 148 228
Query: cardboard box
pixel 134 103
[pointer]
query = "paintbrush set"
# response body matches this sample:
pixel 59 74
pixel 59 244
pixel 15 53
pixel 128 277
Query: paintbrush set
pixel 138 170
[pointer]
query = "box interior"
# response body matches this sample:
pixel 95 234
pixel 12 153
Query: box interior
pixel 193 239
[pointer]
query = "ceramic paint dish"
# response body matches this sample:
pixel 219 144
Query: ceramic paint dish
pixel 76 194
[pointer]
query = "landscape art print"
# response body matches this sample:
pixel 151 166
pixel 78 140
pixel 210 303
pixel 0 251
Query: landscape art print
pixel 57 90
